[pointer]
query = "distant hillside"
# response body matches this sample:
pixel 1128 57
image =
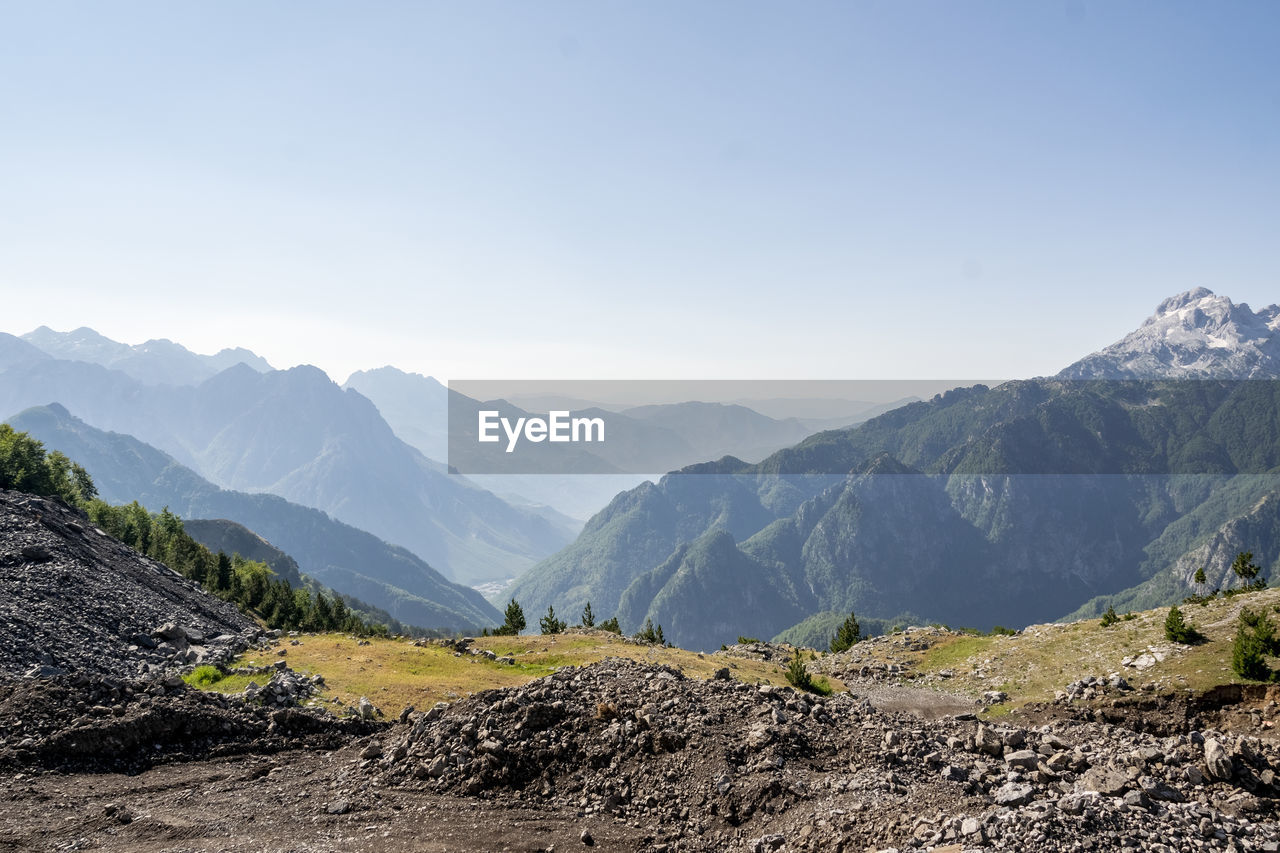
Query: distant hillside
pixel 340 556
pixel 154 362
pixel 298 435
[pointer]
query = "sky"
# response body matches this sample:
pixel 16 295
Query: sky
pixel 609 190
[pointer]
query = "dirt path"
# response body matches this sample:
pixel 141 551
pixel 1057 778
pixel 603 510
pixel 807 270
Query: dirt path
pixel 281 803
pixel 920 701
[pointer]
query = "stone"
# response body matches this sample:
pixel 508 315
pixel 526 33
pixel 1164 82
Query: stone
pixel 1013 794
pixel 338 807
pixel 1103 780
pixel 1217 762
pixel 1023 758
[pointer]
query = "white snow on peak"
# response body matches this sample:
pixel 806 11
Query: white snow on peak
pixel 1194 335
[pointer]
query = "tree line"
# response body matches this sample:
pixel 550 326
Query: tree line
pixel 26 466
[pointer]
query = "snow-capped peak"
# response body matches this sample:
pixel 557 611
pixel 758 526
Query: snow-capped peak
pixel 1194 335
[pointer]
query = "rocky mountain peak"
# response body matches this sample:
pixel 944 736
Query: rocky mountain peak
pixel 1194 335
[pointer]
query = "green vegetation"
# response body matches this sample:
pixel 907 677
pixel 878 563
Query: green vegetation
pixel 649 634
pixel 205 676
pixel 1247 571
pixel 798 677
pixel 1109 618
pixel 514 621
pixel 248 584
pixel 746 641
pixel 849 633
pixel 550 624
pixel 1178 630
pixel 26 467
pixel 588 617
pixel 1255 639
pixel 611 625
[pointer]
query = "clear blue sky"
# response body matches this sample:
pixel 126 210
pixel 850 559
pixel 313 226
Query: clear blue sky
pixel 636 189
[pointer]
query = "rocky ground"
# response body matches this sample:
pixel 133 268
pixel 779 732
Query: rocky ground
pixel 622 755
pixel 76 600
pixel 118 753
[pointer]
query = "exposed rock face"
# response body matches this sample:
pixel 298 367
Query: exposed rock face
pixel 722 765
pixel 72 599
pixel 1194 335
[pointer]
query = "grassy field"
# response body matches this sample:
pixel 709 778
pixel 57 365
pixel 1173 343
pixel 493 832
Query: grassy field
pixel 1045 658
pixel 396 673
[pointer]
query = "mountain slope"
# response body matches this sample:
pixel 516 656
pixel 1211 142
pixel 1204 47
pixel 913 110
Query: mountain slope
pixel 343 557
pixel 296 434
pixel 1196 334
pixel 1006 505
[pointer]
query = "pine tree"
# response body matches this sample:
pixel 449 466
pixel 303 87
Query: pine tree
pixel 1177 629
pixel 549 624
pixel 848 633
pixel 588 618
pixel 1247 654
pixel 1247 570
pixel 514 623
pixel 1200 578
pixel 798 675
pixel 611 625
pixel 1109 618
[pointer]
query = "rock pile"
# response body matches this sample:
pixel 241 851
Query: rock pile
pixel 85 722
pixel 72 599
pixel 713 765
pixel 285 688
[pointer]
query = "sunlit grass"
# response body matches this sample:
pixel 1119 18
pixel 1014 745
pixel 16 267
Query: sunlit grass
pixel 395 673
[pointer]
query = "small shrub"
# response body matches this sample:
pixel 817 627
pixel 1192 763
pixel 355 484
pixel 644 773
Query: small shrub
pixel 611 625
pixel 205 676
pixel 1109 618
pixel 1001 631
pixel 798 675
pixel 1178 630
pixel 746 641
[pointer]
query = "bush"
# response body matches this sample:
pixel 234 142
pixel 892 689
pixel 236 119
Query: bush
pixel 746 641
pixel 1109 618
pixel 849 633
pixel 611 625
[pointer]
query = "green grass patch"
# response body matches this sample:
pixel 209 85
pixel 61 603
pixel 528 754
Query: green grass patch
pixel 951 654
pixel 223 683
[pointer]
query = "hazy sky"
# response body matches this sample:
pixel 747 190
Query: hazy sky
pixel 636 189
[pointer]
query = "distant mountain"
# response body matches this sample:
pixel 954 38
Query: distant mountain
pixel 1008 505
pixel 1194 335
pixel 15 351
pixel 343 557
pixel 296 434
pixel 155 362
pixel 574 479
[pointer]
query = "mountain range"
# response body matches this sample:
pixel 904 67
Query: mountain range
pixel 983 505
pixel 296 434
pixel 349 560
